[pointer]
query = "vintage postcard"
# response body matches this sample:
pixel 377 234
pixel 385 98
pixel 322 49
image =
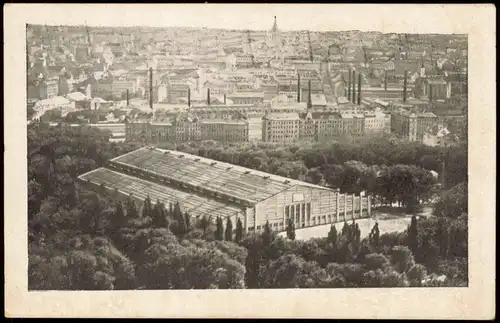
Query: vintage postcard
pixel 250 161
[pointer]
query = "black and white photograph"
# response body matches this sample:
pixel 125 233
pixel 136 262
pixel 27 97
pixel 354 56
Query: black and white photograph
pixel 271 155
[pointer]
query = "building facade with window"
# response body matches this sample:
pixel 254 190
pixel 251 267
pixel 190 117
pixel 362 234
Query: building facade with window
pixel 281 127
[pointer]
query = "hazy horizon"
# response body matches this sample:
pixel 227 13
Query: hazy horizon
pixel 237 29
pixel 256 17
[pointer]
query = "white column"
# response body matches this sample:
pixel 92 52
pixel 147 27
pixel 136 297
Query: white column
pixel 245 221
pixel 360 207
pixel 368 205
pixel 345 206
pixel 338 207
pixel 353 204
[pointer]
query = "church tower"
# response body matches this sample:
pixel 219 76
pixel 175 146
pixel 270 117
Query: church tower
pixel 275 31
pixel 275 40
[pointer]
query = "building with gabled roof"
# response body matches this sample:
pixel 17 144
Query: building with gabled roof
pixel 206 187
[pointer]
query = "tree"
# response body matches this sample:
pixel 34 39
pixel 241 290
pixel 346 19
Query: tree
pixel 290 229
pixel 187 220
pixel 374 236
pixel 195 264
pixel 118 218
pixel 132 212
pixel 219 232
pixel 332 235
pixel 441 237
pixel 453 203
pixel 203 224
pixel 267 236
pixel 239 231
pixel 402 258
pixel 229 230
pixel 176 212
pixel 147 209
pixel 181 230
pixel 158 217
pixel 412 237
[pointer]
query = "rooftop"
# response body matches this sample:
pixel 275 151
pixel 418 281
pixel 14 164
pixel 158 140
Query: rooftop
pixel 246 95
pixel 234 181
pixel 196 205
pixel 282 116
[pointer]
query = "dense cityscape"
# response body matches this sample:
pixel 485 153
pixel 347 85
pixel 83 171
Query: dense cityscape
pixel 196 158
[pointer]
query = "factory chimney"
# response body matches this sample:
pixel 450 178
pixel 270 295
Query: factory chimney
pixel 127 98
pixel 208 96
pixel 430 93
pixel 385 80
pixel 404 86
pixel 151 90
pixel 422 69
pixel 309 100
pixel 353 86
pixel 298 87
pixel 224 98
pixel 189 97
pixel 359 88
pixel 349 87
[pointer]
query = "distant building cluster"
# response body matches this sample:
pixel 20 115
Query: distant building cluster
pixel 237 86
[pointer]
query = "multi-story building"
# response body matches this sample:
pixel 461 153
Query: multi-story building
pixel 431 89
pixel 82 53
pixel 353 124
pixel 281 127
pixel 185 128
pixel 328 124
pixel 176 91
pixel 247 97
pixel 116 88
pixel 48 89
pixel 224 130
pixel 207 187
pixel 244 60
pixel 308 127
pixel 377 122
pixel 411 125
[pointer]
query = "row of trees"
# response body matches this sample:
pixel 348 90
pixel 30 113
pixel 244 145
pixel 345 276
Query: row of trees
pixel 83 240
pixel 307 161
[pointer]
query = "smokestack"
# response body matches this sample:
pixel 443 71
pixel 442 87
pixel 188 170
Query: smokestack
pixel 224 98
pixel 127 98
pixel 404 86
pixel 208 96
pixel 189 97
pixel 359 88
pixel 298 87
pixel 430 93
pixel 151 88
pixel 385 80
pixel 353 86
pixel 309 100
pixel 349 87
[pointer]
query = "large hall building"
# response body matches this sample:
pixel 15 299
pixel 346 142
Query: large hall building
pixel 212 188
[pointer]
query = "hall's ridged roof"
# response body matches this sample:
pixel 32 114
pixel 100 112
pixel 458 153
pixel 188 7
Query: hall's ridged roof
pixel 234 181
pixel 196 205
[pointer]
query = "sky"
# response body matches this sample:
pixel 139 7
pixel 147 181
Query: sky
pixel 387 18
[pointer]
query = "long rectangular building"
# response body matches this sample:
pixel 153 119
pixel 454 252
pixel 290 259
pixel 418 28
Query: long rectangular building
pixel 208 187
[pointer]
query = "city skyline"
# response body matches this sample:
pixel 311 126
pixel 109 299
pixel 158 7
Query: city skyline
pixel 299 17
